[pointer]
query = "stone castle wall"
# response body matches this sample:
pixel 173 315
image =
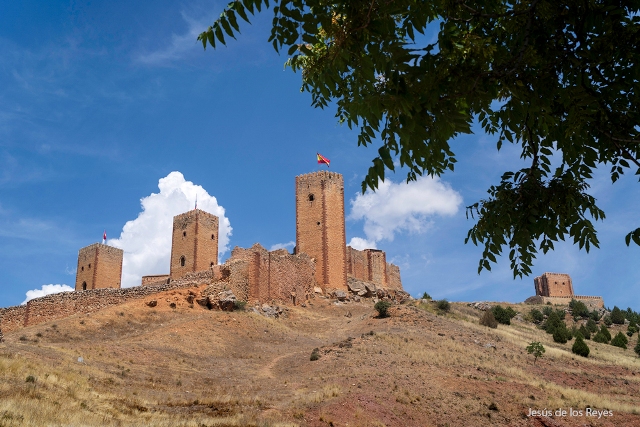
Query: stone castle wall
pixel 590 302
pixel 65 304
pixel 320 228
pixel 158 279
pixel 99 266
pixel 370 265
pixel 194 243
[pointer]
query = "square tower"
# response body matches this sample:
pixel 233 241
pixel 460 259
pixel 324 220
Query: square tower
pixel 194 245
pixel 320 229
pixel 554 285
pixel 99 266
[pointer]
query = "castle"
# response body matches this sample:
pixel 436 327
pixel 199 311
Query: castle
pixel 321 260
pixel 557 288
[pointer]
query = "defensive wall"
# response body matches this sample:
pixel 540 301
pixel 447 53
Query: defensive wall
pixel 65 304
pixel 589 301
pixel 371 265
pixel 157 279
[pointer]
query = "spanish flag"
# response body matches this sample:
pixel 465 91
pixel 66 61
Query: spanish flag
pixel 322 159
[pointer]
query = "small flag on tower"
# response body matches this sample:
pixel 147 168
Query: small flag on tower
pixel 322 159
pixel 104 237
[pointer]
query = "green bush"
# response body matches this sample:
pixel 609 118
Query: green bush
pixel 30 379
pixel 553 322
pixel 600 337
pixel 617 316
pixel 503 315
pixel 382 307
pixel 536 349
pixel 489 320
pixel 426 296
pixel 580 347
pixel 547 310
pixel 584 332
pixel 607 320
pixel 595 315
pixel 591 326
pixel 620 341
pixel 631 330
pixel 443 305
pixel 578 309
pixel 605 332
pixel 239 305
pixel 637 348
pixel 561 335
pixel 536 315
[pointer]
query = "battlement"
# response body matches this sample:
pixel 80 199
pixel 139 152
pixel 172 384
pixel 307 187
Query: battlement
pixel 320 175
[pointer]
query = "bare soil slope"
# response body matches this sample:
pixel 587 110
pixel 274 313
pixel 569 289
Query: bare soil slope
pixel 190 366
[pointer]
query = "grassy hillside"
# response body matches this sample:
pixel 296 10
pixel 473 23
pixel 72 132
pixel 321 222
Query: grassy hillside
pixel 186 366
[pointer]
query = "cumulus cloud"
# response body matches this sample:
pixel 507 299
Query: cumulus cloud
pixel 146 240
pixel 361 244
pixel 282 246
pixel 403 207
pixel 46 290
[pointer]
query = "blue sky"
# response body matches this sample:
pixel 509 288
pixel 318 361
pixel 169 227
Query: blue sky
pixel 99 101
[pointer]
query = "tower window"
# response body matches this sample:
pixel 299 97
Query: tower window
pixel 82 269
pixel 311 197
pixel 213 237
pixel 84 286
pixel 182 261
pixel 318 223
pixel 89 265
pixel 184 234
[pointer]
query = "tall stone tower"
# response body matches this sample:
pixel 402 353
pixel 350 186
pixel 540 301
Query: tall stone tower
pixel 554 285
pixel 320 229
pixel 99 266
pixel 194 246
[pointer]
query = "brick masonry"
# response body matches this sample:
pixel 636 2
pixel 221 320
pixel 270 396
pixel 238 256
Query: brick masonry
pixel 194 244
pixel 99 266
pixel 553 285
pixel 371 265
pixel 320 229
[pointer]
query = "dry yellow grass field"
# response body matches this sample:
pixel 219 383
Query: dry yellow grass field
pixel 189 366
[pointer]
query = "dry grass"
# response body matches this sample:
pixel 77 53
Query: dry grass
pixel 193 367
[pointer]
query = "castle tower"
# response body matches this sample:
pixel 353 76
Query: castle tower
pixel 320 231
pixel 99 266
pixel 194 246
pixel 553 285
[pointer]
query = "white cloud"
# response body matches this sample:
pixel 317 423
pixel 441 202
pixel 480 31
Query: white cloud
pixel 282 246
pixel 403 207
pixel 46 290
pixel 146 240
pixel 361 244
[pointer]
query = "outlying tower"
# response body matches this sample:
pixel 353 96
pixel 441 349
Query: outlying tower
pixel 99 266
pixel 194 245
pixel 320 230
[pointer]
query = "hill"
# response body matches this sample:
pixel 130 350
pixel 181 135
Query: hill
pixel 189 366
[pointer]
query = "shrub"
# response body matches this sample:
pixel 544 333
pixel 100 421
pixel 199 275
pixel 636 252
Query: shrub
pixel 30 379
pixel 620 341
pixel 605 332
pixel 617 315
pixel 595 315
pixel 631 330
pixel 489 320
pixel 553 322
pixel 382 307
pixel 584 332
pixel 536 349
pixel 443 305
pixel 547 310
pixel 600 337
pixel 578 309
pixel 239 305
pixel 315 354
pixel 503 315
pixel 426 296
pixel 637 348
pixel 591 326
pixel 536 315
pixel 561 335
pixel 607 320
pixel 580 347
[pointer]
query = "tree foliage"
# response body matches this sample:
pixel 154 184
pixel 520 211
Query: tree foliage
pixel 556 78
pixel 580 347
pixel 536 349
